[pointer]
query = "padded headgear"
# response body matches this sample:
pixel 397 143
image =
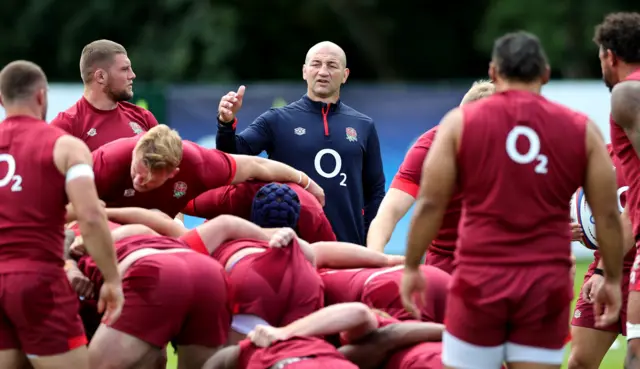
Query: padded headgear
pixel 275 205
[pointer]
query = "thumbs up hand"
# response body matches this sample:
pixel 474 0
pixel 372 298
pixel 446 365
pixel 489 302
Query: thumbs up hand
pixel 230 104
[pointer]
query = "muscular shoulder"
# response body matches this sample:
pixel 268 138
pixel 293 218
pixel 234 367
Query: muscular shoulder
pixel 143 114
pixel 356 115
pixel 625 103
pixel 68 118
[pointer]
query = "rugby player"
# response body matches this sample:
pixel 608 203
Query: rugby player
pixel 404 189
pixel 103 113
pixel 156 271
pixel 39 310
pixel 589 343
pixel 510 296
pixel 618 40
pixel 270 347
pixel 157 170
pixel 251 200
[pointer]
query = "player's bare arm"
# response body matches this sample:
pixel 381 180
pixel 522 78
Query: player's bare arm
pixel 395 204
pixel 372 351
pixel 341 255
pixel 628 241
pixel 228 227
pixel 601 191
pixel 433 197
pixel 625 110
pixel 73 159
pixel 155 220
pixel 227 358
pixel 254 167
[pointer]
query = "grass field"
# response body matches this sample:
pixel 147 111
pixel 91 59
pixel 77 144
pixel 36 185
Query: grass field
pixel 613 360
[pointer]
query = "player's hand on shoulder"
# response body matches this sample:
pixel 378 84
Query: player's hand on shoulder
pixel 230 104
pixel 394 260
pixel 282 237
pixel 316 191
pixel 265 336
pixel 80 283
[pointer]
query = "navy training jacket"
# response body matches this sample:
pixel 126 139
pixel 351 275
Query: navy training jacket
pixel 334 144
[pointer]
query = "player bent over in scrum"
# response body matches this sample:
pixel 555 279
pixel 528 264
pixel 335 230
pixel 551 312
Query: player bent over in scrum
pixel 379 288
pixel 172 294
pixel 298 345
pixel 589 343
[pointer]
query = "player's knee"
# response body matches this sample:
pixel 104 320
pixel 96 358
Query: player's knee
pixel 579 361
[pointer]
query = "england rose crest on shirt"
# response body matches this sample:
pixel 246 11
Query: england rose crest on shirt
pixel 352 135
pixel 136 128
pixel 179 189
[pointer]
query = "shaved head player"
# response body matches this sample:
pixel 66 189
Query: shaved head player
pixel 42 169
pixel 618 39
pixel 510 296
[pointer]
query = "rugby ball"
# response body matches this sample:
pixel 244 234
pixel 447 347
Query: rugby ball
pixel 581 214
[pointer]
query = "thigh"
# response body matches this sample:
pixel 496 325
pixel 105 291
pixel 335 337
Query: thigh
pixel 111 348
pixel 43 309
pixel 209 314
pixel 588 346
pixel 8 335
pixel 156 299
pixel 477 308
pixel 540 306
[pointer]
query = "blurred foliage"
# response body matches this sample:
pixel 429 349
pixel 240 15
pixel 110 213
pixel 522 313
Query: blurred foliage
pixel 230 40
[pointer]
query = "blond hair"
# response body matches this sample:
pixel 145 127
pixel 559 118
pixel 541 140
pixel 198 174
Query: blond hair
pixel 160 149
pixel 98 54
pixel 479 90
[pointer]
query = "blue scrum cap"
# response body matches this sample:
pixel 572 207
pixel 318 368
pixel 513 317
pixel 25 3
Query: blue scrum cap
pixel 275 205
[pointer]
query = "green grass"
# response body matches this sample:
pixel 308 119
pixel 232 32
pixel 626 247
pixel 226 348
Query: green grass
pixel 613 360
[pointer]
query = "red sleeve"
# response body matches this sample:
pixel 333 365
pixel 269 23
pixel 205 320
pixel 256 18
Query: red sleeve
pixel 101 172
pixel 315 227
pixel 63 121
pixel 150 119
pixel 408 177
pixel 210 204
pixel 213 167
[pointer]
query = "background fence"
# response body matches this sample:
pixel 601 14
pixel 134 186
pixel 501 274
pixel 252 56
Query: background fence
pixel 401 112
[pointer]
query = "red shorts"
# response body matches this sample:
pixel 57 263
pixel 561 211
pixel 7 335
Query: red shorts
pixel 178 297
pixel 440 260
pixel 278 285
pixel 39 314
pixel 382 292
pixel 583 315
pixel 525 305
pixel 634 281
pixel 427 355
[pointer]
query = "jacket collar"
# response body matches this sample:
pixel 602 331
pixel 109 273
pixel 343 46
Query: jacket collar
pixel 319 106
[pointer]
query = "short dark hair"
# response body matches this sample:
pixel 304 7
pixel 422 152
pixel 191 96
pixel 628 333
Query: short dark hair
pixel 99 53
pixel 519 56
pixel 20 79
pixel 620 33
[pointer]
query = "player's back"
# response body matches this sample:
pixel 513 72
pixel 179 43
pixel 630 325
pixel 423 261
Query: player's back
pixel 521 157
pixel 32 194
pixel 629 163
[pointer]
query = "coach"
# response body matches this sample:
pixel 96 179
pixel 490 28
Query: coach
pixel 333 143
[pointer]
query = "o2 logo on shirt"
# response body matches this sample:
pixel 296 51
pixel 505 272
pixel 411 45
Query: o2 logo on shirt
pixel 11 173
pixel 534 148
pixel 336 170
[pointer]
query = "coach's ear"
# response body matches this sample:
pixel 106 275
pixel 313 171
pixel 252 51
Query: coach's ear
pixel 1 102
pixel 174 172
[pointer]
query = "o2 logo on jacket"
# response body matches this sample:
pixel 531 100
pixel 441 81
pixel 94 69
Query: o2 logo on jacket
pixel 336 169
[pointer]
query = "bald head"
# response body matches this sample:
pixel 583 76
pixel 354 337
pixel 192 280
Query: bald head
pixel 326 48
pixel 21 80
